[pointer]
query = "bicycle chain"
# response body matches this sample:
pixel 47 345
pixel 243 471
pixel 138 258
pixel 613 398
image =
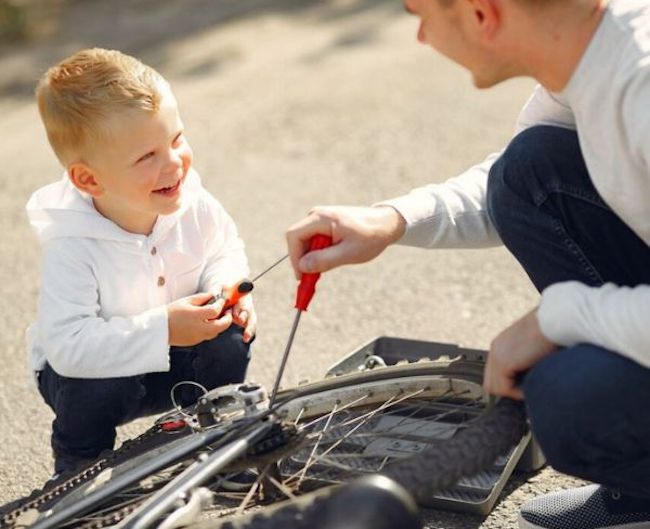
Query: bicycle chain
pixel 41 497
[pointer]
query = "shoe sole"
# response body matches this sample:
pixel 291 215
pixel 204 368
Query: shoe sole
pixel 525 524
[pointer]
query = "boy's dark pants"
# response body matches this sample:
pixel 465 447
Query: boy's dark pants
pixel 88 410
pixel 588 405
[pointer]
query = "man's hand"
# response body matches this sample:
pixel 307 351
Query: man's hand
pixel 358 235
pixel 244 315
pixel 514 351
pixel 190 322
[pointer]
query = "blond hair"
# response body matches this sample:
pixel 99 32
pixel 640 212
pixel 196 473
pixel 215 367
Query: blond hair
pixel 78 96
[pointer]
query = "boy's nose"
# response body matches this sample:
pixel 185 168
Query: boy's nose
pixel 173 162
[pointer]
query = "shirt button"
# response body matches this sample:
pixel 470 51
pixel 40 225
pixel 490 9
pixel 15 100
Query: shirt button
pixel 154 251
pixel 161 281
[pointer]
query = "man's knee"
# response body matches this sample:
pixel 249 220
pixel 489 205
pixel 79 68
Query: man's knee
pixel 523 175
pixel 552 404
pixel 574 401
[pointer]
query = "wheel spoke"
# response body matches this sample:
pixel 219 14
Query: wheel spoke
pixel 341 409
pixel 362 420
pixel 318 440
pixel 400 426
pixel 249 496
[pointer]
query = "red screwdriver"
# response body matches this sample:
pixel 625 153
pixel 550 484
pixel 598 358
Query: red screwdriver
pixel 304 294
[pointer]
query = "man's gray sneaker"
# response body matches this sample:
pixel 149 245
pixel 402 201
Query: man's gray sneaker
pixel 590 507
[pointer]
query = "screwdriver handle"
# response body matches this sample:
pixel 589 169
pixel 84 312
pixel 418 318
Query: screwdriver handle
pixel 237 291
pixel 232 294
pixel 307 286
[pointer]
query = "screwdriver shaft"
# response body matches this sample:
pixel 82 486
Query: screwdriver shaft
pixel 269 268
pixel 285 356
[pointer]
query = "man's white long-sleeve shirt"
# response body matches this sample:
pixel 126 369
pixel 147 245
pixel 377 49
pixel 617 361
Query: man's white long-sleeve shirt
pixel 608 102
pixel 102 308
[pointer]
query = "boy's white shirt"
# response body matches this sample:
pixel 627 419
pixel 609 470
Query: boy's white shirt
pixel 607 102
pixel 102 311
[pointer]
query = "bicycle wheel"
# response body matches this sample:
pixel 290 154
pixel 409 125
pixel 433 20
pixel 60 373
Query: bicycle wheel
pixel 425 426
pixel 375 421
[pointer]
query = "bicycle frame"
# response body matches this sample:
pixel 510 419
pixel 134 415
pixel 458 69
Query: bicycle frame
pixel 195 475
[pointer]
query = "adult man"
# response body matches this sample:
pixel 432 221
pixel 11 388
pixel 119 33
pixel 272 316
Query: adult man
pixel 570 198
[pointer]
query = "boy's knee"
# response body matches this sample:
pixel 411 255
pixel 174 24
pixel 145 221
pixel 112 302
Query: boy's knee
pixel 231 343
pixel 224 359
pixel 102 394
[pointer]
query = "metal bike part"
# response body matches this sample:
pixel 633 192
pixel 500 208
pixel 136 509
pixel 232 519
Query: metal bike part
pixel 199 500
pixel 195 475
pixel 222 404
pixel 248 398
pixel 372 362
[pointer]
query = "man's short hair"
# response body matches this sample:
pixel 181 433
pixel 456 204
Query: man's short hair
pixel 78 95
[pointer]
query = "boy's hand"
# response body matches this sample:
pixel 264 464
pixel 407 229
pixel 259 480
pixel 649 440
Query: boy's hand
pixel 191 322
pixel 244 315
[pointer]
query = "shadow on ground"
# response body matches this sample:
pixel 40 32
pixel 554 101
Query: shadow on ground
pixel 149 29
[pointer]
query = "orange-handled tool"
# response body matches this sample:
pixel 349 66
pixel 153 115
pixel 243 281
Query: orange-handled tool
pixel 232 294
pixel 304 295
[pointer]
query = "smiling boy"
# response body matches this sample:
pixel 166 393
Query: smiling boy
pixel 133 248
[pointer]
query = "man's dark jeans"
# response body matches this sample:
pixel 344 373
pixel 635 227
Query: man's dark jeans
pixel 88 410
pixel 588 406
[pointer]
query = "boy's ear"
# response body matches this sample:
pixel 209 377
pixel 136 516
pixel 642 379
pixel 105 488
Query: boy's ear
pixel 84 179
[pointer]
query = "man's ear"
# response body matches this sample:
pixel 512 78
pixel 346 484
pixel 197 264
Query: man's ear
pixel 84 179
pixel 486 17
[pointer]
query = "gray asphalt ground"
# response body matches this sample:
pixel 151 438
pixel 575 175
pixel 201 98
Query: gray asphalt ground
pixel 287 104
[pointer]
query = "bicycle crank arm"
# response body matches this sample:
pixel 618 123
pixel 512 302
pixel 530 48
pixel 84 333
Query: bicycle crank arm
pixel 163 501
pixel 200 499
